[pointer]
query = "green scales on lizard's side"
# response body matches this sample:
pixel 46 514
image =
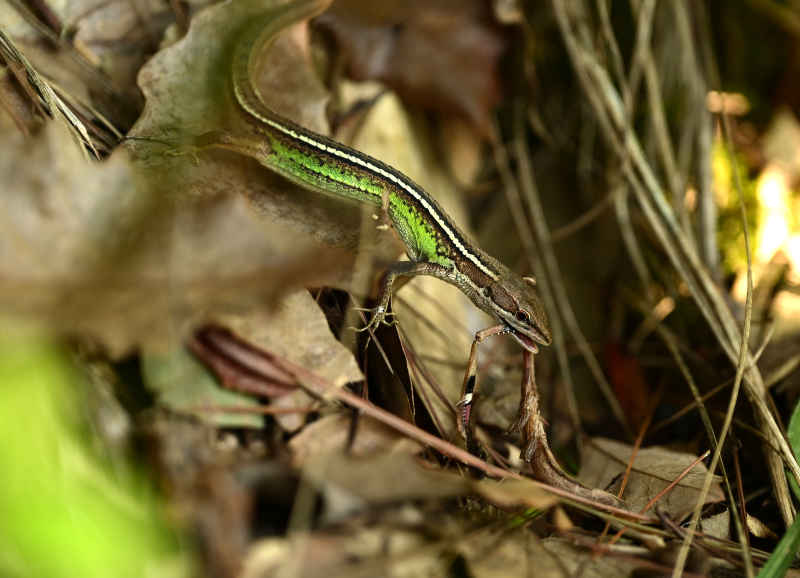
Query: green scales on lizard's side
pixel 434 244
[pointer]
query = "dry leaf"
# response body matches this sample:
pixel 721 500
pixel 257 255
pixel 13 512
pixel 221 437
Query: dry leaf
pixel 573 559
pixel 382 549
pixel 653 470
pixel 521 553
pixel 561 520
pixel 185 386
pixel 296 330
pixel 383 477
pixel 759 529
pixel 442 55
pixel 331 434
pixel 718 525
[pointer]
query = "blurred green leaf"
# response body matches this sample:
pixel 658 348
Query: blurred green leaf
pixel 784 553
pixel 61 513
pixel 786 550
pixel 794 441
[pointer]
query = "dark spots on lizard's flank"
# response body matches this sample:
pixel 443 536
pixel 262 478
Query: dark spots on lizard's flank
pixel 471 270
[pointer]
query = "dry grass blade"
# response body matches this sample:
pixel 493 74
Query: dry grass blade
pixel 609 112
pixel 43 96
pixel 672 345
pixel 740 369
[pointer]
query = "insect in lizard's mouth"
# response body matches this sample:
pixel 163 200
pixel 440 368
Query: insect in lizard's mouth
pixel 525 341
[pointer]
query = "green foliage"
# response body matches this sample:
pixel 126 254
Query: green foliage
pixel 786 550
pixel 794 440
pixel 61 513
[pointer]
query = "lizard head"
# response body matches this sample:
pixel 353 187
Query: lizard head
pixel 515 302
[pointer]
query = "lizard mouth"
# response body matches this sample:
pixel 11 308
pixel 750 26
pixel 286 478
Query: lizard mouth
pixel 525 341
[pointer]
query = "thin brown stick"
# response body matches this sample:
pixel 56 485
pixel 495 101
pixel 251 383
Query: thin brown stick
pixel 245 409
pixel 683 553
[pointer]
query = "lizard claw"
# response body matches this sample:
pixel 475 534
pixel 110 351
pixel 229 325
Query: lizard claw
pixel 379 315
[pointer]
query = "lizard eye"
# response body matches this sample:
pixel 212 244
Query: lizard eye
pixel 523 316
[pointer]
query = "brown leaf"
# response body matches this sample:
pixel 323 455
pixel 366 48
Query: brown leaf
pixel 382 477
pixel 184 386
pixel 521 553
pixel 653 470
pixel 572 559
pixel 295 330
pixel 718 525
pixel 331 434
pixel 441 55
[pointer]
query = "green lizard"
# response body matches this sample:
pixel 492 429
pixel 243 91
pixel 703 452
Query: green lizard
pixel 434 244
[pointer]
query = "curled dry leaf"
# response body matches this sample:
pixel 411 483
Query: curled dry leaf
pixel 759 529
pixel 654 469
pixel 294 329
pixel 183 385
